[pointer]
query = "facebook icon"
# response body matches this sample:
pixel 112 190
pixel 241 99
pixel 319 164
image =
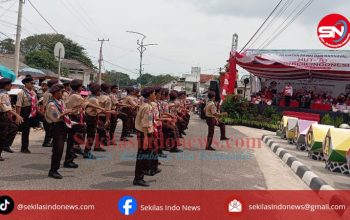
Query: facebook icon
pixel 127 205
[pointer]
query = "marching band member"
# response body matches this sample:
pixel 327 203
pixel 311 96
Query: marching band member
pixel 57 116
pixel 103 118
pixel 7 126
pixel 26 106
pixel 129 110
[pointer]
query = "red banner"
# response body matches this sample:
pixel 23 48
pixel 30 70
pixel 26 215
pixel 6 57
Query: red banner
pixel 322 205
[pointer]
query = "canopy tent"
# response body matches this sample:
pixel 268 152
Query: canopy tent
pixel 296 64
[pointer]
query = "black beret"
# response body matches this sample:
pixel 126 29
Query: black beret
pixel 105 86
pixel 66 83
pixel 5 81
pixel 76 83
pixel 52 82
pixel 94 87
pixel 55 88
pixel 27 80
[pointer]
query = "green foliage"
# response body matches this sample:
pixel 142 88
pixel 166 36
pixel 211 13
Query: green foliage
pixel 47 42
pixel 233 106
pixel 327 120
pixel 42 59
pixel 118 78
pixel 7 46
pixel 338 121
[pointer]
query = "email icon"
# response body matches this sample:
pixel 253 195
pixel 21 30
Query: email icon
pixel 235 206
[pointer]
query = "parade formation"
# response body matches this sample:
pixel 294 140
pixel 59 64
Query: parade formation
pixel 158 117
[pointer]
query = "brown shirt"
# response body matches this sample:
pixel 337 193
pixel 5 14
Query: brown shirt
pixel 46 97
pixel 210 109
pixel 23 100
pixel 5 102
pixel 52 113
pixel 130 100
pixel 92 111
pixel 144 118
pixel 77 103
pixel 114 100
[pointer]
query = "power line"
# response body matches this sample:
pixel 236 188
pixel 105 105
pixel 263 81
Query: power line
pixel 42 16
pixel 280 12
pixel 273 11
pixel 289 23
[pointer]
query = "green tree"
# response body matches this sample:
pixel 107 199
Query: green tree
pixel 42 59
pixel 47 42
pixel 118 78
pixel 7 46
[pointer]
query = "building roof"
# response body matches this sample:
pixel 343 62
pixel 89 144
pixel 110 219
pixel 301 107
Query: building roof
pixel 75 65
pixel 8 60
pixel 204 78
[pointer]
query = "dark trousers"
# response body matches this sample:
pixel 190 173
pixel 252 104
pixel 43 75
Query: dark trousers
pixel 145 159
pixel 91 125
pixel 170 135
pixel 25 127
pixel 212 122
pixel 287 100
pixel 59 134
pixel 76 137
pixel 76 134
pixel 113 126
pixel 47 128
pixel 8 131
pixel 101 132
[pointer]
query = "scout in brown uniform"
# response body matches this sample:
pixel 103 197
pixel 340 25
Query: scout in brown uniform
pixel 91 115
pixel 114 117
pixel 7 127
pixel 103 118
pixel 129 110
pixel 26 106
pixel 56 116
pixel 76 134
pixel 144 126
pixel 67 90
pixel 212 121
pixel 46 98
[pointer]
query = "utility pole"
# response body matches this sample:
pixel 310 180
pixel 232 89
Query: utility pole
pixel 142 48
pixel 18 36
pixel 100 60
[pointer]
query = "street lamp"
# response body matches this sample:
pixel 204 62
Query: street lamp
pixel 142 47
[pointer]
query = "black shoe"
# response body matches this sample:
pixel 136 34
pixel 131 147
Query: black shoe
pixel 55 175
pixel 140 183
pixel 123 139
pixel 47 145
pixel 99 149
pixel 8 150
pixel 2 159
pixel 162 155
pixel 89 156
pixel 130 136
pixel 210 149
pixel 224 139
pixel 71 165
pixel 184 133
pixel 176 150
pixel 25 151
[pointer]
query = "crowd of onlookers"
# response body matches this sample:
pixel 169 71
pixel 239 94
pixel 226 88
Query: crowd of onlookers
pixel 303 99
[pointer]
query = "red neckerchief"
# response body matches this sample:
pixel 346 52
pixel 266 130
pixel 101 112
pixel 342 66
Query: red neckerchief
pixel 31 96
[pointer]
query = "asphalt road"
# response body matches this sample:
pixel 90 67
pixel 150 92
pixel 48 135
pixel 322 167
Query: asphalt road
pixel 235 166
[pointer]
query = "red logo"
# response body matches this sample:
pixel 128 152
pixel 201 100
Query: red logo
pixel 333 31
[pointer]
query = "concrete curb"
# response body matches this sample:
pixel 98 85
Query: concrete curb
pixel 304 173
